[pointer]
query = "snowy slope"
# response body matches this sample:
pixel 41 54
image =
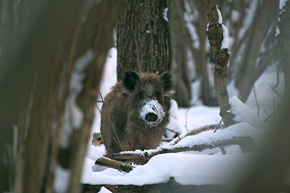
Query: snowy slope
pixel 190 167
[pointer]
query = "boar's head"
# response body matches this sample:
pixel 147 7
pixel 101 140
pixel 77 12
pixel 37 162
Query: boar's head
pixel 146 94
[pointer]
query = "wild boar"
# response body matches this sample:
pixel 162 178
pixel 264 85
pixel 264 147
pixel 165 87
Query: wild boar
pixel 134 113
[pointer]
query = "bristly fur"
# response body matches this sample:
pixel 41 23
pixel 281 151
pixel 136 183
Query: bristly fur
pixel 123 105
pixel 166 78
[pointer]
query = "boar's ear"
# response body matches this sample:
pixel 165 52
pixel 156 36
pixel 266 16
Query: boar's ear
pixel 130 79
pixel 167 81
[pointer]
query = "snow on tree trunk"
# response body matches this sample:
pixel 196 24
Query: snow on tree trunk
pixel 284 41
pixel 218 39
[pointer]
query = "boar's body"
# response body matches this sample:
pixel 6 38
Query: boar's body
pixel 134 114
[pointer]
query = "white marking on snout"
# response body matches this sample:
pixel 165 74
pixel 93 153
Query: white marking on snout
pixel 152 106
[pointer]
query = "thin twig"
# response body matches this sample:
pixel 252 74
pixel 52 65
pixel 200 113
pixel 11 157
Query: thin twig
pixel 175 132
pixel 218 126
pixel 270 116
pixel 102 99
pixel 255 94
pixel 116 138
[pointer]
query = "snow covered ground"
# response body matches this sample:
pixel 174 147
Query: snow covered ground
pixel 196 168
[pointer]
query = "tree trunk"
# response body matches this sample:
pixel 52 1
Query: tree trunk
pixel 36 88
pixel 268 170
pixel 221 57
pixel 284 42
pixel 143 37
pixel 258 32
pixel 179 53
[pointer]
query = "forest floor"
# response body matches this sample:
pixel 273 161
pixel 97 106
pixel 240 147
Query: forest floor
pixel 214 166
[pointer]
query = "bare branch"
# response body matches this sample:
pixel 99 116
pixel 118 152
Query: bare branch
pixel 246 144
pixel 221 58
pixel 104 161
pixel 258 112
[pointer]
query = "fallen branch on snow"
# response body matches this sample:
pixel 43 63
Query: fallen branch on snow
pixel 104 161
pixel 246 144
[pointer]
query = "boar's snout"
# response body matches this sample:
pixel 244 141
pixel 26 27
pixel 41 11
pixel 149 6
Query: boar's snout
pixel 151 117
pixel 152 113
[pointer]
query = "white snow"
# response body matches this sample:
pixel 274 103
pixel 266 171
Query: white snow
pixel 196 168
pixel 189 20
pixel 73 113
pixel 225 42
pixel 104 190
pixel 165 14
pixel 185 168
pixel 220 20
pixel 244 113
pixel 235 16
pixel 174 123
pixel 76 87
pixel 152 106
pixel 282 4
pixel 61 179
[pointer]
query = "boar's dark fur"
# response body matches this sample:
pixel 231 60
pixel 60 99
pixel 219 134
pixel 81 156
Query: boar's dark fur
pixel 122 127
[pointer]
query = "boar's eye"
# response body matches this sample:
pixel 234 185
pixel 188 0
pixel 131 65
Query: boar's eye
pixel 158 95
pixel 141 94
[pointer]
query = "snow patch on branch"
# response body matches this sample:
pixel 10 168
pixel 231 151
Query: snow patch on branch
pixel 76 86
pixel 245 114
pixel 225 42
pixel 220 20
pixel 73 114
pixel 165 14
pixel 282 4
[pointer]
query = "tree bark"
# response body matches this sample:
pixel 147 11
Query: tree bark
pixel 179 53
pixel 221 57
pixel 257 34
pixel 284 42
pixel 143 37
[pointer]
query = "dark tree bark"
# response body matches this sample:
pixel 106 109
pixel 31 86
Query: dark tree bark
pixel 35 79
pixel 284 41
pixel 143 37
pixel 221 57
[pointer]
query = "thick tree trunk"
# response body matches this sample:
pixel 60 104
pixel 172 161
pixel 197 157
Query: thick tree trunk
pixel 143 37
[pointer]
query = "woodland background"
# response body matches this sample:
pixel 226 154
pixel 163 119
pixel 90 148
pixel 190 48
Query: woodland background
pixel 43 77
